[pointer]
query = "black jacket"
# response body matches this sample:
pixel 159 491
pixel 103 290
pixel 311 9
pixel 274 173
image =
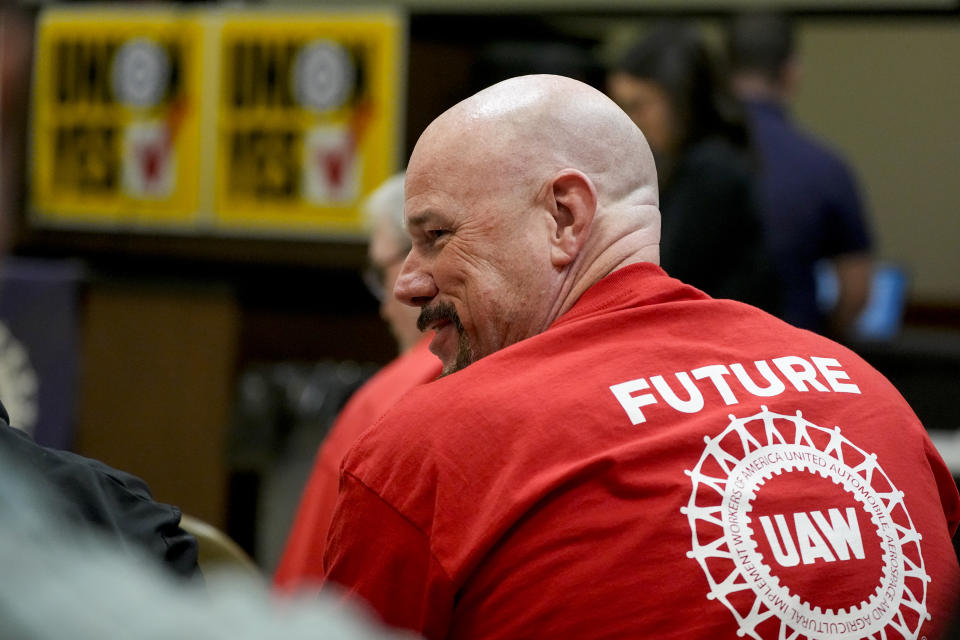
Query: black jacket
pixel 115 502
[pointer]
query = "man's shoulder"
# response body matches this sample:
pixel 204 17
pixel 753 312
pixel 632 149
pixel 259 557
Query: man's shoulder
pixel 552 370
pixel 420 410
pixel 433 428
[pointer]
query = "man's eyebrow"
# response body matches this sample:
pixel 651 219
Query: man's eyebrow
pixel 419 219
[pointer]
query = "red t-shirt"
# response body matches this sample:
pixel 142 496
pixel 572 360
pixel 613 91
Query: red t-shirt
pixel 302 560
pixel 657 464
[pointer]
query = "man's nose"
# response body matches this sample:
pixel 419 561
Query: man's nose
pixel 414 285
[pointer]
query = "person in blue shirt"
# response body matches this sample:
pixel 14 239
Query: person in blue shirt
pixel 808 195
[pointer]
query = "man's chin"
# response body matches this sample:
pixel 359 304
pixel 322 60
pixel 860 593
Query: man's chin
pixel 464 358
pixel 453 368
pixel 448 369
pixel 452 347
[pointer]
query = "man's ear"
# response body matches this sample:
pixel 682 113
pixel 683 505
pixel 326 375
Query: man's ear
pixel 572 201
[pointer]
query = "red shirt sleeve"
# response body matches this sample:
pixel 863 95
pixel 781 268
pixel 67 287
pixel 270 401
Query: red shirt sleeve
pixel 376 553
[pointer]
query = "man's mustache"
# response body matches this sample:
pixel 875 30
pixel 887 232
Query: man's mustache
pixel 440 311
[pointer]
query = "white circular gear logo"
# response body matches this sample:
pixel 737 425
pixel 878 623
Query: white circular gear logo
pixel 323 75
pixel 729 480
pixel 140 73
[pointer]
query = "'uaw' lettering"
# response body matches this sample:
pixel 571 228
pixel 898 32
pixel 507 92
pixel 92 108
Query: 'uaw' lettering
pixel 842 535
pixel 816 374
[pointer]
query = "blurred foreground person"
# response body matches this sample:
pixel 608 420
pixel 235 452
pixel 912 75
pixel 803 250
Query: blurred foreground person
pixel 63 580
pixel 712 234
pixel 809 196
pixel 302 560
pixel 613 453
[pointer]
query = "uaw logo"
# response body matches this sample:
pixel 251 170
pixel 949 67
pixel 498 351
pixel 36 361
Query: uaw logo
pixel 846 525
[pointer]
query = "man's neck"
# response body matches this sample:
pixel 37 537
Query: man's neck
pixel 604 256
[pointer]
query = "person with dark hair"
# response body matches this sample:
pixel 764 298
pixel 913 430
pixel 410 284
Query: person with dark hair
pixel 712 237
pixel 809 196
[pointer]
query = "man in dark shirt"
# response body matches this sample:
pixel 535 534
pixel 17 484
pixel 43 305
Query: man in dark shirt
pixel 808 195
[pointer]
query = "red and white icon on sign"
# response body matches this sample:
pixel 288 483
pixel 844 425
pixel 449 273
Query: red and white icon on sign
pixel 149 162
pixel 331 168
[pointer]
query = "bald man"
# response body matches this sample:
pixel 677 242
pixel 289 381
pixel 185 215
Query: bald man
pixel 612 453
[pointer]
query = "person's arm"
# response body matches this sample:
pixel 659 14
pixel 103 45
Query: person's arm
pixel 854 273
pixel 377 554
pixel 116 503
pixel 849 246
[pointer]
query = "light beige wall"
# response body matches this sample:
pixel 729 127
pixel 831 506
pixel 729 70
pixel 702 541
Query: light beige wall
pixel 887 95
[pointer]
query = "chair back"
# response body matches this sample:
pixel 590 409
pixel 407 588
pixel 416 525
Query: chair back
pixel 215 550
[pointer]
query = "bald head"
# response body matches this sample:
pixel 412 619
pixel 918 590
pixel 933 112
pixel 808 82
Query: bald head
pixel 519 199
pixel 533 126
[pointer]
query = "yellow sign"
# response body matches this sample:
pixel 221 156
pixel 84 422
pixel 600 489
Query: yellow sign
pixel 232 121
pixel 308 118
pixel 116 118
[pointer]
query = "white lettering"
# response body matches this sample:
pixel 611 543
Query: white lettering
pixel 631 403
pixel 774 388
pixel 843 534
pixel 785 554
pixel 834 376
pixel 797 371
pixel 693 404
pixel 811 543
pixel 716 372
